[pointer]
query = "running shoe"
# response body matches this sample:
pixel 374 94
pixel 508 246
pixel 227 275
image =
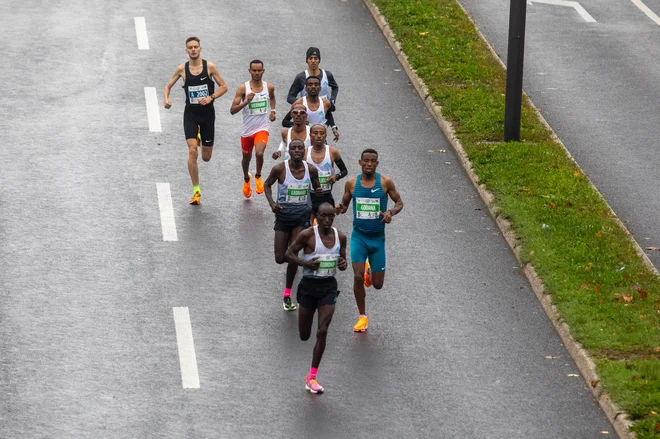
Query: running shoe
pixel 361 325
pixel 259 185
pixel 367 274
pixel 247 189
pixel 287 304
pixel 312 385
pixel 196 198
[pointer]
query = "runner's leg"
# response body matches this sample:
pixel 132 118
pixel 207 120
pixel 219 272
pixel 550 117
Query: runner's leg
pixel 325 317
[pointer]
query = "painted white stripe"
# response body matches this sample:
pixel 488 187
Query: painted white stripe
pixel 575 5
pixel 141 33
pixel 166 212
pixel 184 340
pixel 645 9
pixel 152 109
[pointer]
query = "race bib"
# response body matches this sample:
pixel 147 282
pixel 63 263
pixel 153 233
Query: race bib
pixel 297 193
pixel 197 92
pixel 323 179
pixel 257 107
pixel 328 265
pixel 367 208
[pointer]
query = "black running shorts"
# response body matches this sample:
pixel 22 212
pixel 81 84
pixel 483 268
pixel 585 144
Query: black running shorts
pixel 315 292
pixel 288 223
pixel 204 119
pixel 317 200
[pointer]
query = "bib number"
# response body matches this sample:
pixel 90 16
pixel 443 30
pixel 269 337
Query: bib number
pixel 297 193
pixel 257 107
pixel 197 92
pixel 323 179
pixel 367 208
pixel 328 266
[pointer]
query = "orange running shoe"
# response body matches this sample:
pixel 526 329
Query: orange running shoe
pixel 259 185
pixel 247 189
pixel 367 274
pixel 361 325
pixel 196 198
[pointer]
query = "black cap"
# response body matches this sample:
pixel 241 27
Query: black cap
pixel 313 51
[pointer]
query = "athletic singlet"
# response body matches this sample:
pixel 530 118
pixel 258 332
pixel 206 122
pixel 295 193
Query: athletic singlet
pixel 328 257
pixel 325 91
pixel 307 141
pixel 325 168
pixel 367 205
pixel 255 114
pixel 293 194
pixel 314 117
pixel 197 87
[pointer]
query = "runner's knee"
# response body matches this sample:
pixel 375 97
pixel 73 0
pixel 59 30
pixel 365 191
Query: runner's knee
pixel 304 336
pixel 377 284
pixel 322 332
pixel 358 276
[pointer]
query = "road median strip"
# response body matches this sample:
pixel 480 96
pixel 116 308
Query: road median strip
pixel 594 281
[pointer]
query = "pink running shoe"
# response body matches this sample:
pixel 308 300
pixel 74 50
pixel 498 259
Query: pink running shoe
pixel 312 385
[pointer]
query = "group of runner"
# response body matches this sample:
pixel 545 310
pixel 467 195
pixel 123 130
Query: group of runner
pixel 304 178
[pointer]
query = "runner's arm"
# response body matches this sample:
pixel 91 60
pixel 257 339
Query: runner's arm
pixel 330 119
pixel 236 104
pixel 297 86
pixel 342 207
pixel 270 181
pixel 271 94
pixel 166 91
pixel 217 77
pixel 277 154
pixel 287 122
pixel 336 157
pixel 314 176
pixel 298 244
pixel 341 263
pixel 390 189
pixel 334 88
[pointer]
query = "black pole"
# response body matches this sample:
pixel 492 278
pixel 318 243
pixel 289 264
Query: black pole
pixel 514 72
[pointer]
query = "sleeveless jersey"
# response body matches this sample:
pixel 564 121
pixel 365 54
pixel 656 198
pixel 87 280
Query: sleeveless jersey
pixel 197 87
pixel 314 117
pixel 325 91
pixel 293 194
pixel 325 168
pixel 328 257
pixel 307 142
pixel 255 114
pixel 367 205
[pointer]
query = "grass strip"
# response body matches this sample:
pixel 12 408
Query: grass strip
pixel 602 289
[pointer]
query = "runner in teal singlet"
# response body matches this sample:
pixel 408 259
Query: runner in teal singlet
pixel 369 192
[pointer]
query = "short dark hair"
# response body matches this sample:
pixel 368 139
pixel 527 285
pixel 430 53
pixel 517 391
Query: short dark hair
pixel 312 77
pixel 296 141
pixel 318 125
pixel 257 61
pixel 192 39
pixel 326 205
pixel 369 151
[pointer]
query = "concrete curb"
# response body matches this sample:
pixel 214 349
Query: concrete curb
pixel 585 364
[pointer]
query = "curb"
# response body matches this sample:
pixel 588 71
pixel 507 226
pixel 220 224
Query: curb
pixel 585 364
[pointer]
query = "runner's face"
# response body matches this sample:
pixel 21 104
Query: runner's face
pixel 325 218
pixel 313 87
pixel 256 71
pixel 312 63
pixel 299 115
pixel 368 163
pixel 317 135
pixel 296 151
pixel 193 49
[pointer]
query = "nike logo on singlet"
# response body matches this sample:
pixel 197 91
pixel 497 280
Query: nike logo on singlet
pixel 201 79
pixel 374 190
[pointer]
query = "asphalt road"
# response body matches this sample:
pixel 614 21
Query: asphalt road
pixel 457 346
pixel 597 85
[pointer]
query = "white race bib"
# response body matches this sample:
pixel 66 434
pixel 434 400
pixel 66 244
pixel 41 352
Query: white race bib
pixel 297 193
pixel 323 179
pixel 328 265
pixel 197 92
pixel 367 208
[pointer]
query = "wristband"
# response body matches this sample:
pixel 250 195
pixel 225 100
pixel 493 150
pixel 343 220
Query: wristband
pixel 390 211
pixel 273 110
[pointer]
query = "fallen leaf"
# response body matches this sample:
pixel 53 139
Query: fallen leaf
pixel 442 150
pixel 657 428
pixel 430 150
pixel 627 298
pixel 643 293
pixel 653 412
pixel 594 383
pixel 605 432
pixel 550 357
pixel 459 231
pixel 597 289
pixel 576 173
pixel 599 234
pixel 653 248
pixel 658 351
pixel 642 316
pixel 423 34
pixel 419 47
pixel 573 375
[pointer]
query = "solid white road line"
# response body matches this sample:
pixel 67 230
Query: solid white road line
pixel 645 9
pixel 575 5
pixel 187 357
pixel 166 212
pixel 141 33
pixel 152 109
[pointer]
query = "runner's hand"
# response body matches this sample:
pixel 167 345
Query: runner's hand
pixel 276 155
pixel 332 179
pixel 340 209
pixel 335 131
pixel 318 191
pixel 272 116
pixel 342 264
pixel 387 217
pixel 168 104
pixel 205 101
pixel 314 264
pixel 249 97
pixel 275 207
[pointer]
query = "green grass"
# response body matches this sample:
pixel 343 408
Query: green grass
pixel 601 287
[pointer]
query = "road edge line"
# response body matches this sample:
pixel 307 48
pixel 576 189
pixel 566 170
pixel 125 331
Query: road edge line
pixel 617 417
